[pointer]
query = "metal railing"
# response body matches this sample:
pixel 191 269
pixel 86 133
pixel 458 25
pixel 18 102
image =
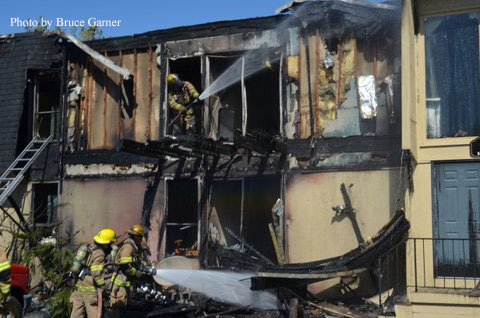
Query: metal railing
pixel 445 263
pixel 390 271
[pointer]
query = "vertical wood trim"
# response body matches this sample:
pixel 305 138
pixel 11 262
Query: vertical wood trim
pixel 150 93
pixel 105 103
pixel 120 83
pixel 135 80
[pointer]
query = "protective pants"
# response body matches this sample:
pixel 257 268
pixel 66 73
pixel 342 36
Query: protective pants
pixel 118 301
pixel 12 306
pixel 84 302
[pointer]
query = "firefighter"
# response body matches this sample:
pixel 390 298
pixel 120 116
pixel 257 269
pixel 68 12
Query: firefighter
pixel 127 261
pixel 182 97
pixel 87 297
pixel 5 278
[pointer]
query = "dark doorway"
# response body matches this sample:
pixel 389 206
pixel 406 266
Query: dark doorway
pixel 182 214
pixel 245 207
pixel 188 69
pixel 227 203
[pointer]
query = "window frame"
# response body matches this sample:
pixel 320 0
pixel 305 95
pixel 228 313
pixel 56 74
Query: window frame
pixel 32 203
pixel 55 114
pixel 421 78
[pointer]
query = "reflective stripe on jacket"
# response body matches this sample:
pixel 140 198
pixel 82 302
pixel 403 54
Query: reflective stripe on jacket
pixel 125 261
pixel 5 278
pixel 94 279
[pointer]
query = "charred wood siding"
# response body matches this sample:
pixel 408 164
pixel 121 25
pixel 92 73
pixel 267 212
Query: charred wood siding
pixel 18 54
pixel 105 118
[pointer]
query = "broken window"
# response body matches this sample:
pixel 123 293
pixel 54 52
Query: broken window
pixel 244 206
pixel 187 69
pixel 44 202
pixel 182 215
pixel 262 97
pixel 452 75
pixel 46 103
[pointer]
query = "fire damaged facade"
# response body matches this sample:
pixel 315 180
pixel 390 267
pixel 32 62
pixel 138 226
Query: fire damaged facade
pixel 292 131
pixel 299 159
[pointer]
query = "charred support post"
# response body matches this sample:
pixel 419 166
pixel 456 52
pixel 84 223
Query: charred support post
pixel 163 93
pixel 204 216
pixel 150 194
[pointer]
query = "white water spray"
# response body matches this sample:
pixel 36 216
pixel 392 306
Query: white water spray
pixel 253 60
pixel 228 287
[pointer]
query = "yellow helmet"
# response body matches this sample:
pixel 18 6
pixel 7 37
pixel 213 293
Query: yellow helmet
pixel 137 230
pixel 173 79
pixel 105 236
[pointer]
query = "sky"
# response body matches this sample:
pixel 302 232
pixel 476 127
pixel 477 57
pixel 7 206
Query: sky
pixel 135 16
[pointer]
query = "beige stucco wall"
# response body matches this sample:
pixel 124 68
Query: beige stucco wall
pixel 309 198
pixel 90 205
pixel 23 199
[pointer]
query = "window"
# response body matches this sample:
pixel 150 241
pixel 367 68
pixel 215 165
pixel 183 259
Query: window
pixel 452 75
pixel 46 104
pixel 261 91
pixel 45 202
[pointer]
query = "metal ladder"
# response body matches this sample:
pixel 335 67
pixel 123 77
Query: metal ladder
pixel 12 177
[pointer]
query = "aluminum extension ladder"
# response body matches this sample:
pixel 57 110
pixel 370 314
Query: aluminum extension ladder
pixel 12 177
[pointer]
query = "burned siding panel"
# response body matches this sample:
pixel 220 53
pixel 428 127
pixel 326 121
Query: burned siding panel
pixel 155 97
pixel 127 123
pixel 96 112
pixel 143 109
pixel 105 117
pixel 112 120
pixel 223 43
pixel 220 28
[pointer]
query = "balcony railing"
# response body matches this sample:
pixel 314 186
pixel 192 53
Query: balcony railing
pixel 445 263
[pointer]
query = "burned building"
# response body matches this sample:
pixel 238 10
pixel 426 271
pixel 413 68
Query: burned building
pixel 297 153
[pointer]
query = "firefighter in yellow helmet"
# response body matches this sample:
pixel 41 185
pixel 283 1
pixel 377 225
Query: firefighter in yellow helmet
pixel 89 266
pixel 182 97
pixel 127 269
